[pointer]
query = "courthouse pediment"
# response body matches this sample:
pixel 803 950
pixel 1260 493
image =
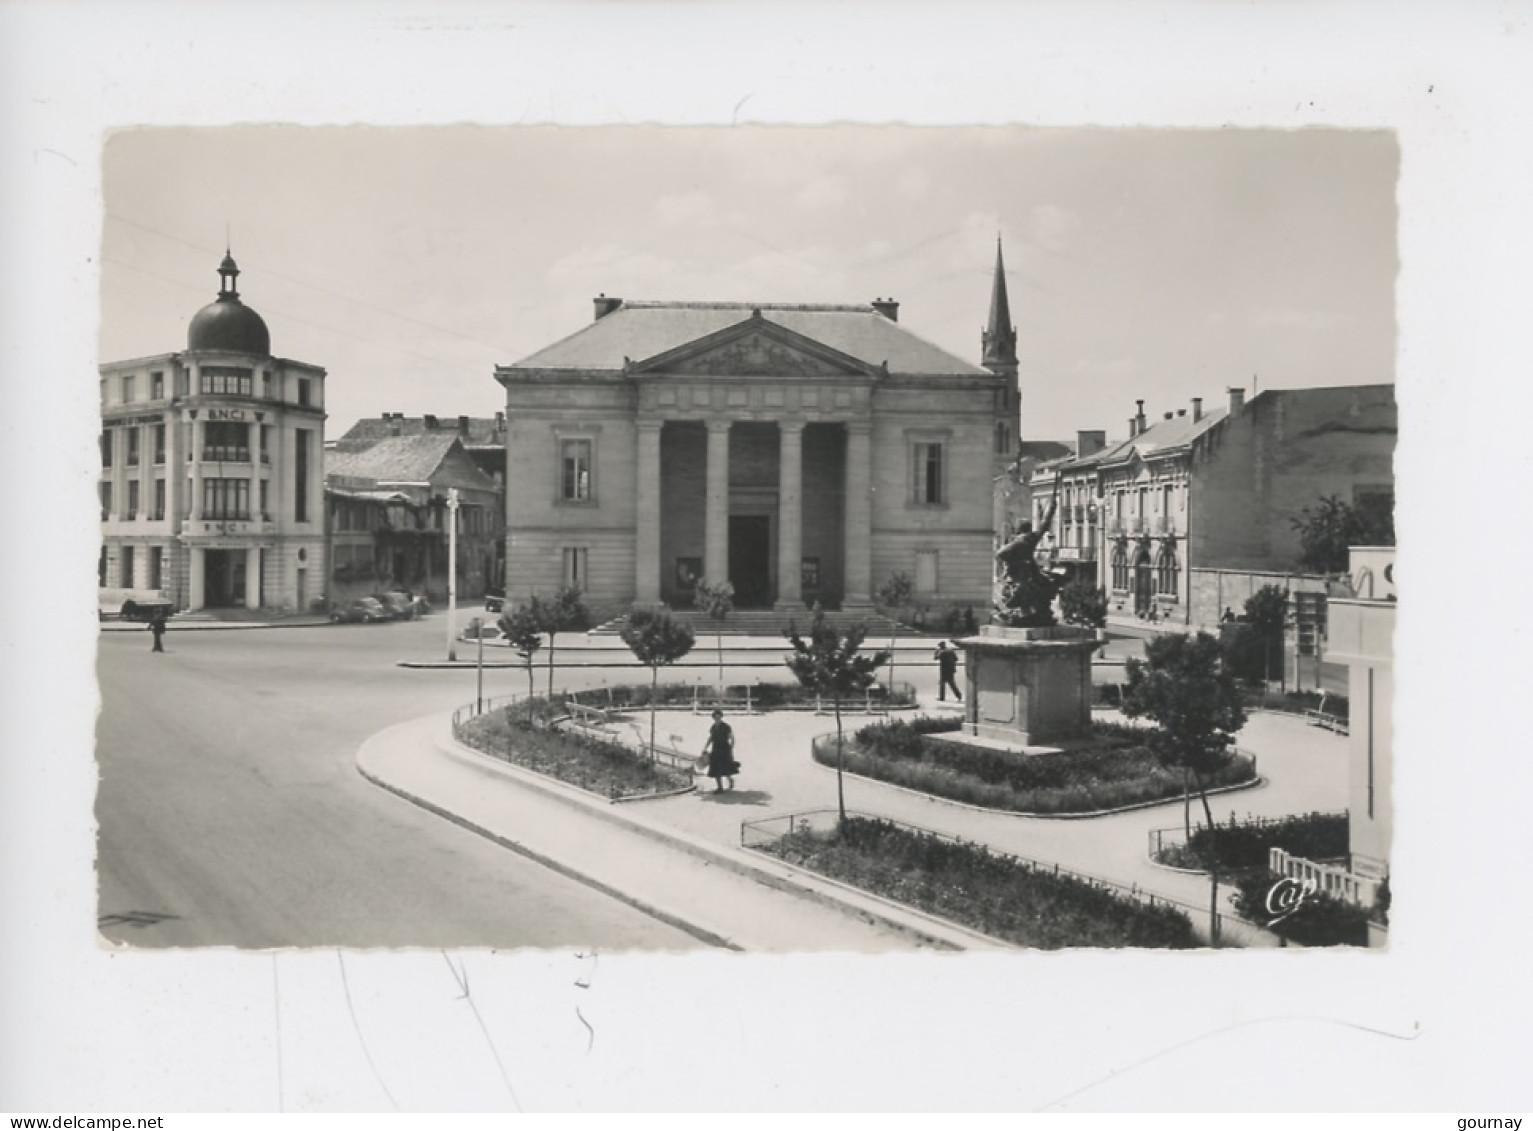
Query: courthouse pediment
pixel 756 347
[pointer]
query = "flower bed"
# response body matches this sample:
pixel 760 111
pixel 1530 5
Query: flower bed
pixel 1120 771
pixel 1244 846
pixel 608 769
pixel 996 895
pixel 763 696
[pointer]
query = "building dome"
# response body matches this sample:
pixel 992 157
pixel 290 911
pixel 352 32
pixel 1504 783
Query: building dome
pixel 227 323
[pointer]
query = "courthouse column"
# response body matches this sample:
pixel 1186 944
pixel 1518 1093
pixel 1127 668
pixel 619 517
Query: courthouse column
pixel 790 514
pixel 716 529
pixel 859 515
pixel 646 584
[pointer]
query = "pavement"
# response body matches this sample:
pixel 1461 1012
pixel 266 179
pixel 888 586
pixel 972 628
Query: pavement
pixel 681 858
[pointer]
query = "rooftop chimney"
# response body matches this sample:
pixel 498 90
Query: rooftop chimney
pixel 463 427
pixel 1197 409
pixel 605 305
pixel 500 423
pixel 1237 399
pixel 387 415
pixel 1139 421
pixel 888 308
pixel 1089 443
pixel 430 422
pixel 1169 415
pixel 394 421
pixel 1133 426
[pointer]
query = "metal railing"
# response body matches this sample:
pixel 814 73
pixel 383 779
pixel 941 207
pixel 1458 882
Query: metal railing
pixel 1222 927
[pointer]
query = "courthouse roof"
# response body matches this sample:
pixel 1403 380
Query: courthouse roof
pixel 424 459
pixel 640 330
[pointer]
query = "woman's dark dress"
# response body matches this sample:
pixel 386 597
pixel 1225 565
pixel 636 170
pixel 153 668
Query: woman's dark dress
pixel 721 751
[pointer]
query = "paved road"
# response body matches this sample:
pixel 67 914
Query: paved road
pixel 231 812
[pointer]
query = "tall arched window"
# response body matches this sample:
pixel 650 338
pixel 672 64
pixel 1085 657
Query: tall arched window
pixel 1119 567
pixel 1167 573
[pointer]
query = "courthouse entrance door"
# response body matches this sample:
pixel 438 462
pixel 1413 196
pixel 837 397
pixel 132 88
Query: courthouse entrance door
pixel 750 559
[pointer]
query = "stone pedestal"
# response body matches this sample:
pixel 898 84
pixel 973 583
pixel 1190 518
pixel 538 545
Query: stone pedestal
pixel 1029 687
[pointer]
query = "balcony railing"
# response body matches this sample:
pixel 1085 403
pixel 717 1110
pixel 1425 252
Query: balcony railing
pixel 226 454
pixel 1162 524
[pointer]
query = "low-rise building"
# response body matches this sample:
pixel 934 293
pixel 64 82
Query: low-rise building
pixel 388 518
pixel 1190 504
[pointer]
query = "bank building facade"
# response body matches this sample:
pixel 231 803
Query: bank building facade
pixel 805 453
pixel 212 478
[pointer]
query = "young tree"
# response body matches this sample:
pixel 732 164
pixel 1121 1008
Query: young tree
pixel 1327 532
pixel 656 639
pixel 828 664
pixel 895 594
pixel 1267 615
pixel 1183 686
pixel 564 612
pixel 523 629
pixel 717 601
pixel 1082 603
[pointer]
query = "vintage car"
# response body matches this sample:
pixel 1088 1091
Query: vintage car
pixel 364 610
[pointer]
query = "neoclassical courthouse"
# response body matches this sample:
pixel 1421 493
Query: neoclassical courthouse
pixel 803 452
pixel 212 476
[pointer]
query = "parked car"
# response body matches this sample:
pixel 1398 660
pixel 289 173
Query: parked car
pixel 494 600
pixel 364 610
pixel 399 606
pixel 146 610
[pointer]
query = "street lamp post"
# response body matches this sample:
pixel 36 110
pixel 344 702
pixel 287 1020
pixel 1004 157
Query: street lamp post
pixel 452 573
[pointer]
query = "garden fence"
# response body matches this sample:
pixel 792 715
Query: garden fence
pixel 1225 927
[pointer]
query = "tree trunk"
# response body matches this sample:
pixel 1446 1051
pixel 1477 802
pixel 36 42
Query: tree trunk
pixel 718 638
pixel 840 754
pixel 1213 863
pixel 1187 804
pixel 550 667
pixel 654 690
pixel 530 691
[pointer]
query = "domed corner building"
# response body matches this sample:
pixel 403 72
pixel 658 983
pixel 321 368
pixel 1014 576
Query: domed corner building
pixel 804 453
pixel 212 474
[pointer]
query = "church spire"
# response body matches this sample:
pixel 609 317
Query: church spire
pixel 1000 336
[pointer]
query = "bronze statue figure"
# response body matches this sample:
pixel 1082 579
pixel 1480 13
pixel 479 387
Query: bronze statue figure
pixel 1025 597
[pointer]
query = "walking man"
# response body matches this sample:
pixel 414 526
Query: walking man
pixel 947 667
pixel 157 626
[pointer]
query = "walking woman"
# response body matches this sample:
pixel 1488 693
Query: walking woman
pixel 720 752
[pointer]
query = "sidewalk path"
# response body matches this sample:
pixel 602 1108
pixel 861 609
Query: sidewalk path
pixel 680 857
pixel 710 887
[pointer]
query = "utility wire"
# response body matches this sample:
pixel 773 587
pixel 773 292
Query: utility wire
pixel 265 269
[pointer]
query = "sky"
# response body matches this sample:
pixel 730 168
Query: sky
pixel 1161 264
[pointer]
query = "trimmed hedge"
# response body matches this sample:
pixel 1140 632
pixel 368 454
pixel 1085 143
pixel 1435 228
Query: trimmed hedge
pixel 1315 836
pixel 766 696
pixel 599 766
pixel 967 883
pixel 1119 772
